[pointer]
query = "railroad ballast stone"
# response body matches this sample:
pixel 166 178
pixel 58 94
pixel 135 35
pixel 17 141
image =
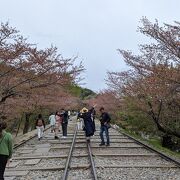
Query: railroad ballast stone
pixel 138 173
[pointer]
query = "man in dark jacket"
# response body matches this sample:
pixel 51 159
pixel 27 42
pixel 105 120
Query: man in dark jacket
pixel 64 116
pixel 105 124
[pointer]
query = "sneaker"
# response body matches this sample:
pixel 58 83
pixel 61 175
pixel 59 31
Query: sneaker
pixel 108 144
pixel 56 137
pixel 39 139
pixel 101 144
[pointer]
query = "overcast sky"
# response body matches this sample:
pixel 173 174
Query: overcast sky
pixel 91 29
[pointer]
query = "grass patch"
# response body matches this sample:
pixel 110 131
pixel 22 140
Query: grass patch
pixel 156 143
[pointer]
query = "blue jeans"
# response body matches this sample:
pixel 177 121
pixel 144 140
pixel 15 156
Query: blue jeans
pixel 104 129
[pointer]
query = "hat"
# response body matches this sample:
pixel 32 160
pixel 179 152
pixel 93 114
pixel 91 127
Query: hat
pixel 83 110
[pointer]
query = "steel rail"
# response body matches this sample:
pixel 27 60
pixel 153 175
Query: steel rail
pixel 92 161
pixel 164 156
pixel 65 175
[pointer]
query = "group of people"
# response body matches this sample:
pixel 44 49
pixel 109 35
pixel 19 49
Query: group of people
pixel 57 120
pixel 60 118
pixel 6 142
pixel 88 117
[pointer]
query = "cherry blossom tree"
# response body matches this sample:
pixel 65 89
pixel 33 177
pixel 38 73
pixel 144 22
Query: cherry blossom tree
pixel 106 99
pixel 28 74
pixel 153 80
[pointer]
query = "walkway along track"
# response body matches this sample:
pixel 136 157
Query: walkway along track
pixel 124 159
pixel 28 138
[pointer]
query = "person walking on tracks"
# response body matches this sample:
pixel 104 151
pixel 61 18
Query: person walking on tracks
pixel 6 148
pixel 69 114
pixel 105 125
pixel 52 121
pixel 93 115
pixel 57 124
pixel 64 123
pixel 88 124
pixel 79 121
pixel 40 126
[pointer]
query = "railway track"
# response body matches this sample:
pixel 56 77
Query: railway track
pixel 127 158
pixel 75 159
pixel 65 158
pixel 85 164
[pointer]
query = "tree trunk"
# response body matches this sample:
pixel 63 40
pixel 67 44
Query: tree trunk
pixel 160 127
pixel 19 126
pixel 26 125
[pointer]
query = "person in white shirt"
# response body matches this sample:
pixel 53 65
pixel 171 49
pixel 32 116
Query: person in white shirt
pixel 79 121
pixel 52 121
pixel 40 126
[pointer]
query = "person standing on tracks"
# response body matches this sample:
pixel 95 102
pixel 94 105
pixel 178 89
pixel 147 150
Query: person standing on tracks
pixel 52 121
pixel 79 121
pixel 57 124
pixel 93 114
pixel 88 124
pixel 6 148
pixel 64 123
pixel 69 114
pixel 40 126
pixel 105 125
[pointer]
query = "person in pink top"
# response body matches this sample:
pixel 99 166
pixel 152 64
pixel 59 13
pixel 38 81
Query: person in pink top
pixel 57 124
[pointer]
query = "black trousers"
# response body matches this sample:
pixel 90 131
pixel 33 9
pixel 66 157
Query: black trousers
pixel 94 126
pixel 64 129
pixel 3 162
